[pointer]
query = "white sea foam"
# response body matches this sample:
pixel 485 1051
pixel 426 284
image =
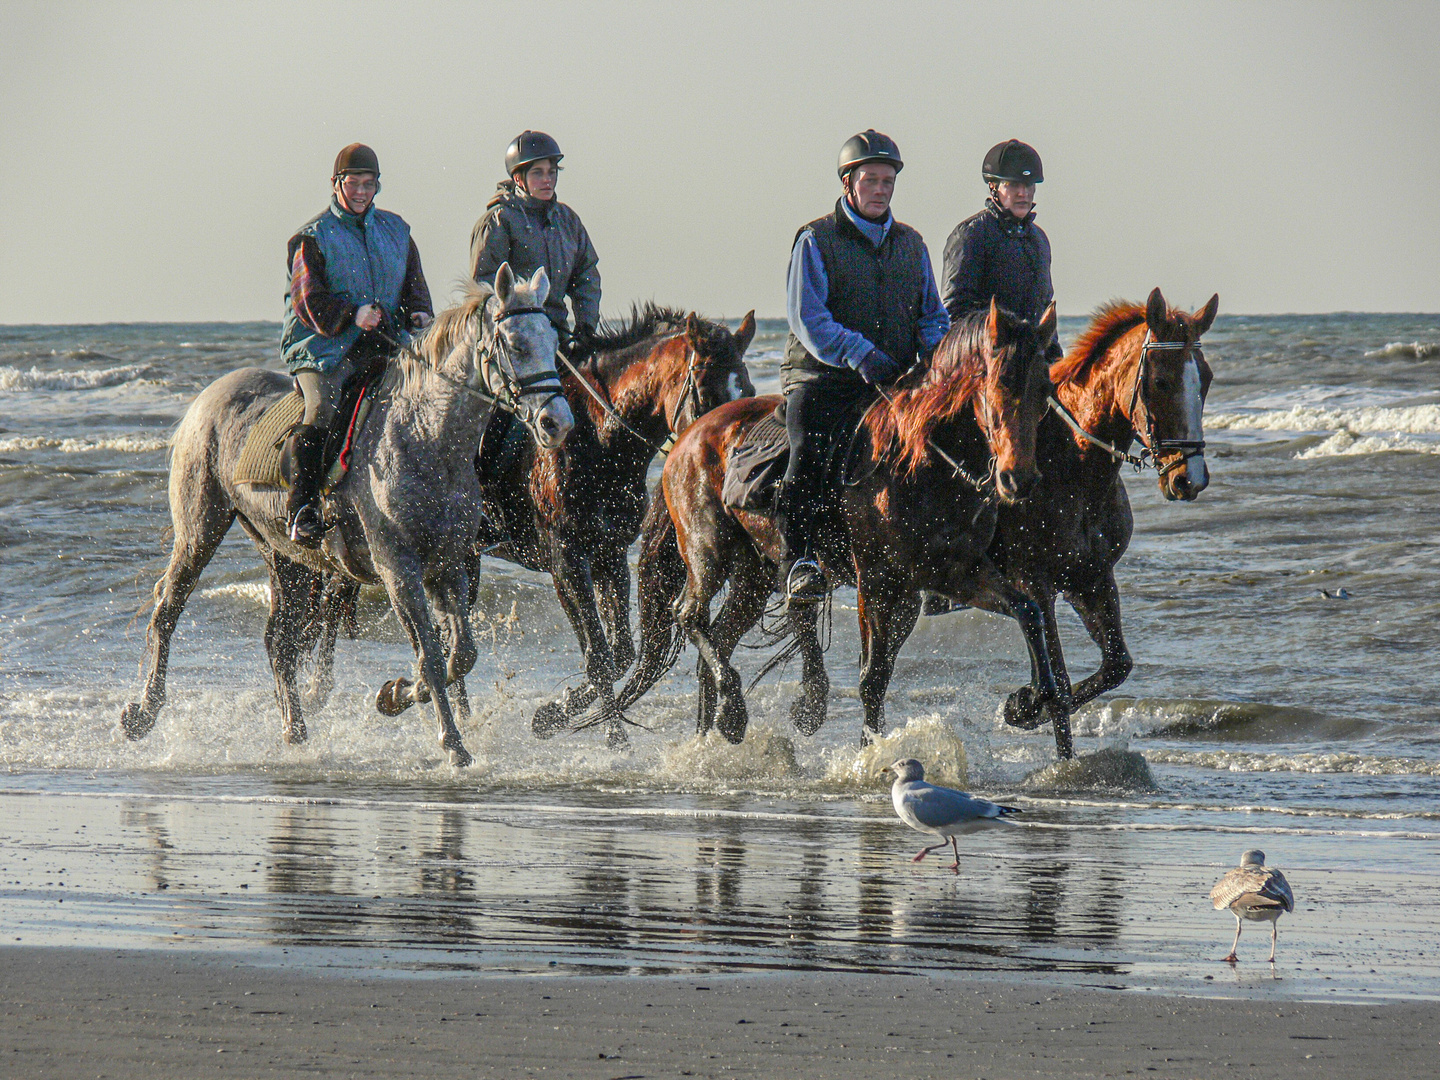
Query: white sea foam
pixel 1418 350
pixel 1246 761
pixel 1371 419
pixel 130 444
pixel 1346 444
pixel 15 379
pixel 251 592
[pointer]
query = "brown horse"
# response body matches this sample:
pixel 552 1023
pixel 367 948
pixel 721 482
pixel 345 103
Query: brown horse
pixel 1136 373
pixel 917 513
pixel 576 513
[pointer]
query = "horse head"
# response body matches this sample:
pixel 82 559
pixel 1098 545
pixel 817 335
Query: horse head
pixel 716 369
pixel 1168 397
pixel 517 356
pixel 1011 399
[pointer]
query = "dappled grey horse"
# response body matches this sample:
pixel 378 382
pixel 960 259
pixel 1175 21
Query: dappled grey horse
pixel 405 515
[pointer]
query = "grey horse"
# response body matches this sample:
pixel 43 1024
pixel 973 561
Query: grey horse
pixel 405 515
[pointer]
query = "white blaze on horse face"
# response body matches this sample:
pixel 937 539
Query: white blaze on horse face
pixel 736 388
pixel 1194 426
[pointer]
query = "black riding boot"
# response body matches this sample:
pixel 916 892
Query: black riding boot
pixel 800 581
pixel 302 509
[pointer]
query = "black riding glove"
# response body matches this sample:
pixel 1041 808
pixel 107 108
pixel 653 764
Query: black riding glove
pixel 877 367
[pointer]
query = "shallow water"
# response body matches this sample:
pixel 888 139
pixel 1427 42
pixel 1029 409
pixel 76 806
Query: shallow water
pixel 1269 714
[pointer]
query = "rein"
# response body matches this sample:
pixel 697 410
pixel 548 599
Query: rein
pixel 982 484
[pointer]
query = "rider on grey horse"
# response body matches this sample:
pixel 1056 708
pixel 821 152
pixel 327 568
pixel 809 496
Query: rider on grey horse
pixel 862 307
pixel 356 287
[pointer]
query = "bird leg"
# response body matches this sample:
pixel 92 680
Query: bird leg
pixel 1232 957
pixel 1274 935
pixel 932 847
pixel 956 848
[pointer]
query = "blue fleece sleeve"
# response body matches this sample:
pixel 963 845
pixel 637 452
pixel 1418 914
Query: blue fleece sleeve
pixel 934 319
pixel 806 290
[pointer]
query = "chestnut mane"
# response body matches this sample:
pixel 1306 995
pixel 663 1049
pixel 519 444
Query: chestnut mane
pixel 1111 322
pixel 929 397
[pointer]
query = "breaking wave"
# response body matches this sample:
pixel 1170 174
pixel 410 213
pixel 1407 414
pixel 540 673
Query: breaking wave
pixel 133 444
pixel 1371 419
pixel 1333 762
pixel 16 380
pixel 1417 350
pixel 1347 444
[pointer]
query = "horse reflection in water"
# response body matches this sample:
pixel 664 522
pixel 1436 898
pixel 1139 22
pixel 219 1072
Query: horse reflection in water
pixel 406 512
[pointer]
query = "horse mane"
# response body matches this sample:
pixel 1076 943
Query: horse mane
pixel 925 399
pixel 439 339
pixel 617 343
pixel 1111 321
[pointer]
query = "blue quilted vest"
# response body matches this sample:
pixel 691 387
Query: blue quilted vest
pixel 365 260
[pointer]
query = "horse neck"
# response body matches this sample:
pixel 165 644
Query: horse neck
pixel 433 403
pixel 1099 396
pixel 638 391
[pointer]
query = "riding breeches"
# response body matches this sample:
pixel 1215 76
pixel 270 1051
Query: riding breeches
pixel 817 405
pixel 322 389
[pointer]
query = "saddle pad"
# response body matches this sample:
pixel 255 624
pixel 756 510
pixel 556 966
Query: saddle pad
pixel 757 466
pixel 260 457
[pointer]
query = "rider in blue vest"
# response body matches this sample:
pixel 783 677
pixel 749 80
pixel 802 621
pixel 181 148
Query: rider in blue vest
pixel 863 307
pixel 356 292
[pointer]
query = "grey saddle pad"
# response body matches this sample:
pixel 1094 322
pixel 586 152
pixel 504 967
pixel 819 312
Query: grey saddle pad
pixel 756 467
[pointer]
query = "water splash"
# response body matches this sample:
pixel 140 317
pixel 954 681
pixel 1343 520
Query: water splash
pixel 766 754
pixel 928 739
pixel 1112 768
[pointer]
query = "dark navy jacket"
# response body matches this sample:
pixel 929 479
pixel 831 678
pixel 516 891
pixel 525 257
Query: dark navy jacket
pixel 993 254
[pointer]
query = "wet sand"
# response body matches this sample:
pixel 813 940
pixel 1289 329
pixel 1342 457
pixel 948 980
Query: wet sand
pixel 93 1012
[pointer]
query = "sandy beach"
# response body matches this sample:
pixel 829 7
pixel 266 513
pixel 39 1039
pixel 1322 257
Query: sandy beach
pixel 92 1012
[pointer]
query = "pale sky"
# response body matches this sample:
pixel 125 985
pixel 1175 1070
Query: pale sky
pixel 155 158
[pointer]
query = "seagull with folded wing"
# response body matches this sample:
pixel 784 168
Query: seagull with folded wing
pixel 1256 892
pixel 940 811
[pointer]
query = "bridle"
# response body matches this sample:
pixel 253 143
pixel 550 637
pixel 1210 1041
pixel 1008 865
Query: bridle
pixel 515 388
pixel 1151 447
pixel 1186 448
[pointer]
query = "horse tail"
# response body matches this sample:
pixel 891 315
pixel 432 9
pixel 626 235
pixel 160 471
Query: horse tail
pixel 661 575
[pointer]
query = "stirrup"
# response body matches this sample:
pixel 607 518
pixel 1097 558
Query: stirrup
pixel 307 527
pixel 811 589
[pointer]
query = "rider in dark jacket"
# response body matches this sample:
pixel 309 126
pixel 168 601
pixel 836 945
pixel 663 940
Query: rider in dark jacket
pixel 1001 252
pixel 863 307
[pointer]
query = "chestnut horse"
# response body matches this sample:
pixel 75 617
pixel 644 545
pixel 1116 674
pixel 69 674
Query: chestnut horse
pixel 1136 373
pixel 938 453
pixel 575 513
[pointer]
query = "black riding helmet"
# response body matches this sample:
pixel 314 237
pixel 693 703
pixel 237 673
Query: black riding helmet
pixel 529 147
pixel 1012 160
pixel 869 145
pixel 356 158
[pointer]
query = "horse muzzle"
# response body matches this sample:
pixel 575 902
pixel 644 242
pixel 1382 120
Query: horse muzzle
pixel 553 423
pixel 1014 485
pixel 1187 480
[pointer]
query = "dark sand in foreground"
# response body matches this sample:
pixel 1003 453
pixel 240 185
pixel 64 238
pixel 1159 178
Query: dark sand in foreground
pixel 101 1013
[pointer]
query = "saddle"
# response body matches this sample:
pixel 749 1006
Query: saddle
pixel 263 460
pixel 756 466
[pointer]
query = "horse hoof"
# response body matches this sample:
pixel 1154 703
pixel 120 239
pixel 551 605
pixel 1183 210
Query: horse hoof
pixel 1024 711
pixel 460 757
pixel 392 700
pixel 549 720
pixel 732 722
pixel 807 716
pixel 615 739
pixel 295 733
pixel 134 722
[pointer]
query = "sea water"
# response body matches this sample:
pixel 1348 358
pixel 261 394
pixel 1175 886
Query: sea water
pixel 1284 628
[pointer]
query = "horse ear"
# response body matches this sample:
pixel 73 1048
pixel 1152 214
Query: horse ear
pixel 745 332
pixel 693 330
pixel 1157 312
pixel 1206 316
pixel 540 286
pixel 504 283
pixel 1046 329
pixel 992 324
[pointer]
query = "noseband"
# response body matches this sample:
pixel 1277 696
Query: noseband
pixel 1187 448
pixel 515 388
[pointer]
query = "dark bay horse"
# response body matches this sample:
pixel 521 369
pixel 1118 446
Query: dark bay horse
pixel 405 514
pixel 575 510
pixel 1137 373
pixel 908 520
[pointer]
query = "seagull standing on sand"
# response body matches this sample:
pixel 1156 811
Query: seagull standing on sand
pixel 1254 891
pixel 940 811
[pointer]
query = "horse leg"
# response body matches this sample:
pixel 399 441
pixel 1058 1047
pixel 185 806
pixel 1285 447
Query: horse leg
pixel 749 592
pixel 574 586
pixel 202 514
pixel 612 581
pixel 337 606
pixel 1099 607
pixel 729 712
pixel 407 597
pixel 888 612
pixel 1024 708
pixel 807 712
pixel 291 611
pixel 1054 703
pixel 661 580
